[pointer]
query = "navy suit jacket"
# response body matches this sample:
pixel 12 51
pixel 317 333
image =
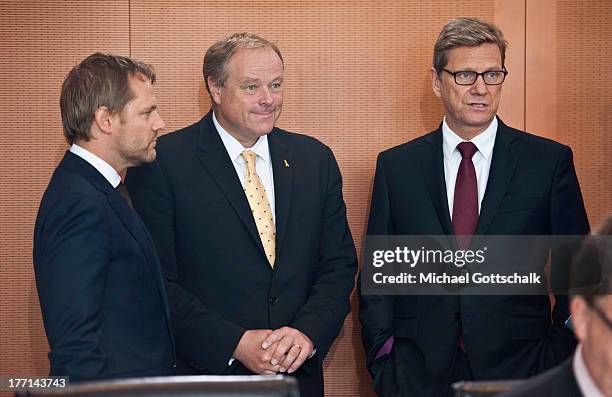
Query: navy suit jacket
pixel 556 382
pixel 218 278
pixel 99 282
pixel 532 190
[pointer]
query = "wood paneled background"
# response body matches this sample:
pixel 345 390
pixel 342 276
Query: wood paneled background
pixel 357 78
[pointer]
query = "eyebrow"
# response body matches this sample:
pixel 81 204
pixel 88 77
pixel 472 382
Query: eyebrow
pixel 491 69
pixel 150 108
pixel 256 80
pixel 250 80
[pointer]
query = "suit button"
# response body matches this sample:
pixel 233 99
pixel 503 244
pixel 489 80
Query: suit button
pixel 273 300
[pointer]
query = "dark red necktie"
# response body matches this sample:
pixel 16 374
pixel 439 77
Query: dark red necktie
pixel 465 202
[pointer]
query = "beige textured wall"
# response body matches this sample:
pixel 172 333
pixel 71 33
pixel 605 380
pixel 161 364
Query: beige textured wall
pixel 357 78
pixel 39 41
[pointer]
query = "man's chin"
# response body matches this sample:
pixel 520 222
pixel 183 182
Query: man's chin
pixel 151 156
pixel 264 130
pixel 146 158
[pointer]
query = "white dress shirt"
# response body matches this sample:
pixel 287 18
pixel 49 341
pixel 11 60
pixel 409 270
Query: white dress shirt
pixel 263 163
pixel 585 383
pixel 102 166
pixel 482 159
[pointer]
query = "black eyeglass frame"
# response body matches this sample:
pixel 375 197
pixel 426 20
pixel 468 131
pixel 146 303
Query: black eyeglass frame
pixel 454 74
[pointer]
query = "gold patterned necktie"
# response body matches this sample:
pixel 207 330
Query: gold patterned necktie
pixel 260 206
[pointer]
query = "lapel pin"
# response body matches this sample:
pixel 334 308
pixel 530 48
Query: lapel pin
pixel 286 164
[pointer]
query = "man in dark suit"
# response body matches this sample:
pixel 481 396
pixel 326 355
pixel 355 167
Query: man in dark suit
pixel 251 227
pixel 588 372
pixel 472 176
pixel 98 276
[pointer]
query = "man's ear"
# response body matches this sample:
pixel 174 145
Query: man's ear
pixel 103 118
pixel 215 90
pixel 580 316
pixel 435 82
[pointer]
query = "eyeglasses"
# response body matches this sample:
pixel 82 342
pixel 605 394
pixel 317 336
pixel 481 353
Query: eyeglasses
pixel 467 77
pixel 598 310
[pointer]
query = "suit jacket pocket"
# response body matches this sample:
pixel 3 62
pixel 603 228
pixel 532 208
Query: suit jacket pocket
pixel 533 328
pixel 405 327
pixel 520 204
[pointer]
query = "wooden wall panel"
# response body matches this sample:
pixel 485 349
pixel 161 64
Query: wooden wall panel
pixel 568 95
pixel 39 41
pixel 356 77
pixel 510 18
pixel 584 96
pixel 541 68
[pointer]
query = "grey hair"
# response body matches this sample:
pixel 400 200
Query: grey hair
pixel 219 54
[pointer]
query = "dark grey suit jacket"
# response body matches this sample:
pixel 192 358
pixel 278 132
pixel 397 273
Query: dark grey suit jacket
pixel 559 381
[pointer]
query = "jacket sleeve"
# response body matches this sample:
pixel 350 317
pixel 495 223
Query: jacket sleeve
pixel 328 303
pixel 71 264
pixel 568 217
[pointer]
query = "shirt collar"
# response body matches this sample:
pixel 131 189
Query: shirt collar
pixel 102 166
pixel 484 141
pixel 235 148
pixel 583 378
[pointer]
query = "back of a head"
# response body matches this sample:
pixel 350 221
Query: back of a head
pixel 591 271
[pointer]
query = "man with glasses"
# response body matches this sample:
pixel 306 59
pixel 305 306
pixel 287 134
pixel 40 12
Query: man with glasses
pixel 589 371
pixel 474 175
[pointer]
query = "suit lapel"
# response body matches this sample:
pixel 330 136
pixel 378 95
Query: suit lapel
pixel 130 220
pixel 503 165
pixel 215 160
pixel 432 164
pixel 283 173
pixel 126 215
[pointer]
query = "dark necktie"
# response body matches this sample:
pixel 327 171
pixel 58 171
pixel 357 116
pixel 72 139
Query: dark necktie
pixel 465 202
pixel 122 190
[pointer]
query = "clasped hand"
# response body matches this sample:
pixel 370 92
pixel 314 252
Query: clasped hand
pixel 268 352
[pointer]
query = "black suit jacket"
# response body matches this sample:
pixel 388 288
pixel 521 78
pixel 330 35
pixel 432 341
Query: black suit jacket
pixel 556 382
pixel 532 190
pixel 218 278
pixel 99 281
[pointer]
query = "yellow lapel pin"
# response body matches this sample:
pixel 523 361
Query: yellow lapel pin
pixel 286 164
